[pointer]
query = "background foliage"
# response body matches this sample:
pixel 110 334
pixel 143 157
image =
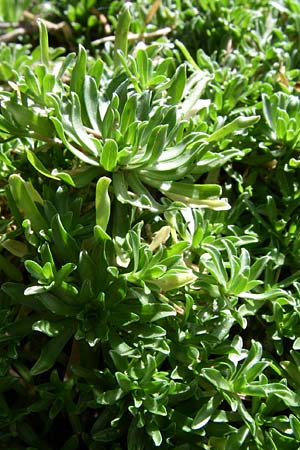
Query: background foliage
pixel 149 246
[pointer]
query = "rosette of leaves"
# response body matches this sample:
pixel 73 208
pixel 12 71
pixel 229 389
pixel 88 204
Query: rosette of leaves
pixel 129 127
pixel 282 115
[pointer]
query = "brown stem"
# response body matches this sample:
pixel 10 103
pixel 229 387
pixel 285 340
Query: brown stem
pixel 136 36
pixel 9 24
pixel 93 132
pixel 152 10
pixel 29 24
pixel 12 35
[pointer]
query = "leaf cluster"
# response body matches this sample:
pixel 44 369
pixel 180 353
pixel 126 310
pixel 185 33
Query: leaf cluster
pixel 149 245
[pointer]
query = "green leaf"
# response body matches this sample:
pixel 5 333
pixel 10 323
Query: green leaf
pixel 52 329
pixel 78 153
pixel 79 71
pixel 177 87
pixel 143 67
pixel 34 269
pixel 154 406
pixel 58 305
pixel 44 46
pixel 29 122
pixel 186 54
pixel 174 279
pixel 109 155
pixel 27 200
pixel 215 265
pixel 128 115
pixel 32 81
pixel 124 382
pixel 204 414
pixel 237 124
pixel 65 245
pixel 50 352
pixel 155 145
pixel 295 424
pixel 155 311
pixel 216 379
pixel 121 37
pixel 149 370
pixel 154 432
pixel 102 203
pixel 91 102
pixel 106 435
pixel 38 165
pixel 110 397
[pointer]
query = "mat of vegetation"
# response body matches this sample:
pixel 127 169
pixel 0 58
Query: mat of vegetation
pixel 149 225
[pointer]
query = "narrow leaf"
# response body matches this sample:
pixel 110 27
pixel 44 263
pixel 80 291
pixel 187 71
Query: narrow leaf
pixel 50 352
pixel 44 45
pixel 102 202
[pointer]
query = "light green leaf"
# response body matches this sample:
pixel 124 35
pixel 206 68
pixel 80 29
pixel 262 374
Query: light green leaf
pixel 44 45
pixel 237 124
pixel 27 200
pixel 109 155
pixel 177 87
pixel 102 203
pixel 121 40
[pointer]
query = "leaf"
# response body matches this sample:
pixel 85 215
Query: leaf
pixel 128 115
pixel 121 40
pixel 78 72
pixel 110 397
pixel 174 279
pixel 124 382
pixel 216 379
pixel 38 165
pixel 204 414
pixel 149 370
pixel 156 311
pixel 78 131
pixel 91 102
pixel 177 87
pixel 65 244
pixel 143 67
pixel 155 145
pixel 78 153
pixel 29 122
pixel 106 435
pixel 154 406
pixel 135 436
pixel 109 155
pixel 50 352
pixel 27 200
pixel 44 46
pixel 32 81
pixel 186 54
pixel 254 356
pixel 154 432
pixel 295 424
pixel 215 265
pixel 52 329
pixel 102 203
pixel 237 124
pixel 58 305
pixel 34 269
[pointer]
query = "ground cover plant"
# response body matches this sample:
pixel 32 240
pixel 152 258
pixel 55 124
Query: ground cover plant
pixel 149 244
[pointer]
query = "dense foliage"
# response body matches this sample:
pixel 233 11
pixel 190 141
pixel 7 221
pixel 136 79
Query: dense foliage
pixel 149 211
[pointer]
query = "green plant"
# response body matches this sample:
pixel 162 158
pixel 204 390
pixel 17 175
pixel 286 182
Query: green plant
pixel 149 252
